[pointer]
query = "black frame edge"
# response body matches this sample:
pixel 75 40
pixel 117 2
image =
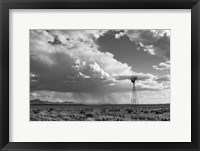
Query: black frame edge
pixel 194 76
pixel 100 4
pixel 198 104
pixel 4 74
pixel 1 63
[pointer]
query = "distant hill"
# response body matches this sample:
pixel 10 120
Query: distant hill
pixel 38 101
pixel 66 102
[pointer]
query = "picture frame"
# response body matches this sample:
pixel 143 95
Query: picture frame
pixel 5 5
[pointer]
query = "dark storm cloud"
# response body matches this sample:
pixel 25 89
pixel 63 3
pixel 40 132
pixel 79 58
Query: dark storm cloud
pixel 61 76
pixel 52 76
pixel 67 80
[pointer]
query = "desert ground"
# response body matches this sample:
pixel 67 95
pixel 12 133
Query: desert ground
pixel 105 112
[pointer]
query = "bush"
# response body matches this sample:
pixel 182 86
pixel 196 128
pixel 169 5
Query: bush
pixel 35 112
pixel 82 112
pixel 89 115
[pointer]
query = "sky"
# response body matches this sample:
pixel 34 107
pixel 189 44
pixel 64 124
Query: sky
pixel 95 66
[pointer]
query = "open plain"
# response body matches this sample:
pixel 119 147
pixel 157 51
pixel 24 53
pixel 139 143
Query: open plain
pixel 105 112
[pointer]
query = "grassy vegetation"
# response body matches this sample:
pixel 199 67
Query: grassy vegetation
pixel 72 112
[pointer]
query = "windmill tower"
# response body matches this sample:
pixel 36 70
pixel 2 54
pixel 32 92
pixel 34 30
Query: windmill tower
pixel 134 99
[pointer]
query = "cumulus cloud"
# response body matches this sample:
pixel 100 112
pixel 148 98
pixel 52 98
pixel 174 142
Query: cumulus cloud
pixel 162 66
pixel 97 71
pixel 118 35
pixel 155 42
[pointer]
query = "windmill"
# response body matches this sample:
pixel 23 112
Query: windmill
pixel 134 99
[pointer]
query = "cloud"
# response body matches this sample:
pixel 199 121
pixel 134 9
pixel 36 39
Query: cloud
pixel 72 37
pixel 162 66
pixel 118 35
pixel 98 72
pixel 155 42
pixel 63 57
pixel 34 95
pixel 34 79
pixel 164 78
pixel 80 45
pixel 146 87
pixel 83 75
pixel 140 76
